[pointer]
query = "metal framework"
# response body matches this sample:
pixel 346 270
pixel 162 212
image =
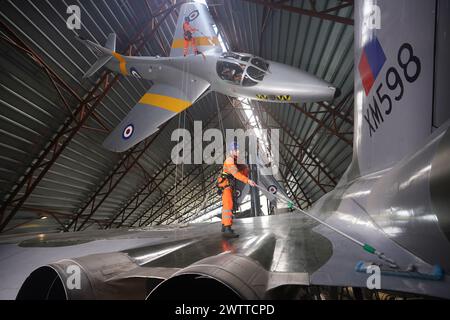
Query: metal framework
pixel 165 200
pixel 324 14
pixel 329 119
pixel 305 153
pixel 184 204
pixel 151 185
pixel 332 129
pixel 105 189
pixel 175 204
pixel 308 162
pixel 73 123
pixel 304 157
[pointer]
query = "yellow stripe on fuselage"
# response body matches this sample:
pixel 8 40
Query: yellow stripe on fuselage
pixel 165 102
pixel 199 41
pixel 122 63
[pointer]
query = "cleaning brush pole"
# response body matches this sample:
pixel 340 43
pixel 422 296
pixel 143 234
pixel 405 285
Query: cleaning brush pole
pixel 368 248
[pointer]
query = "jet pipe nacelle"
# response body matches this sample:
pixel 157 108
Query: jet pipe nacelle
pixel 411 200
pixel 121 276
pixel 224 276
pixel 98 276
pixel 115 276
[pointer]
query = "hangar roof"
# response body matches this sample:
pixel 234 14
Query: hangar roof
pixel 54 174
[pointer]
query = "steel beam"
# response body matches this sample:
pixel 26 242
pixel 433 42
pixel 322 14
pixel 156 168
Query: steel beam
pixel 332 114
pixel 166 199
pixel 305 150
pixel 186 202
pixel 321 123
pixel 310 13
pixel 306 143
pixel 173 207
pixel 338 7
pixel 68 130
pixel 265 17
pixel 198 194
pixel 112 181
pixel 142 195
pixel 290 170
pixel 297 182
pixel 213 202
pixel 208 122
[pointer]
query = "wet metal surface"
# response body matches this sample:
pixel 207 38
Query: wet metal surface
pixel 286 244
pixel 295 247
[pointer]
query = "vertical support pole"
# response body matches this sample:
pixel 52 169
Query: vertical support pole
pixel 254 192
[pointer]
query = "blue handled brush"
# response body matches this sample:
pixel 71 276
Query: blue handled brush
pixel 411 272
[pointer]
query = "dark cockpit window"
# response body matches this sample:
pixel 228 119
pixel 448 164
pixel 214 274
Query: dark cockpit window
pixel 255 73
pixel 260 63
pixel 247 82
pixel 241 69
pixel 236 56
pixel 230 55
pixel 230 71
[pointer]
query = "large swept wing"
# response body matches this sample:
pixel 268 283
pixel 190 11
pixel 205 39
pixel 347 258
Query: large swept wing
pixel 291 249
pixel 158 105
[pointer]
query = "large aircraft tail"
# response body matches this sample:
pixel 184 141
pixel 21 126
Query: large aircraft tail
pixel 394 103
pixel 104 53
pixel 194 16
pixel 400 173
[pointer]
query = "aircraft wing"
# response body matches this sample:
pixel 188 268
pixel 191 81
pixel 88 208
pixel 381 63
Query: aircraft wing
pixel 158 105
pixel 272 252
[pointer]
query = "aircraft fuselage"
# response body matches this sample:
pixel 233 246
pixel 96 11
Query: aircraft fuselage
pixel 275 82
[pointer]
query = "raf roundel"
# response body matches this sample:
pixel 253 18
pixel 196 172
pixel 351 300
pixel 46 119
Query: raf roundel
pixel 193 15
pixel 128 131
pixel 272 189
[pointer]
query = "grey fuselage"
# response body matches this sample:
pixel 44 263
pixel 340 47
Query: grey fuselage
pixel 281 83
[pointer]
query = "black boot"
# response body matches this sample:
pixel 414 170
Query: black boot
pixel 223 228
pixel 229 233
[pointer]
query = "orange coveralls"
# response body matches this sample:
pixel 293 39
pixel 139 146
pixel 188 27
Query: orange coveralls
pixel 239 172
pixel 188 30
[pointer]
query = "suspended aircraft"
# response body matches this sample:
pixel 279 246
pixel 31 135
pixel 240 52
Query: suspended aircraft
pixel 184 77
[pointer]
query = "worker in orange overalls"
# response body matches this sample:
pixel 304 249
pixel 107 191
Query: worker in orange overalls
pixel 188 30
pixel 225 183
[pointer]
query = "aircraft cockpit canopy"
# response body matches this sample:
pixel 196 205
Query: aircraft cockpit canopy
pixel 241 69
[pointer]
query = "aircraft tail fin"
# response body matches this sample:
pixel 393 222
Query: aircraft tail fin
pixel 97 65
pixel 392 121
pixel 194 16
pixel 104 53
